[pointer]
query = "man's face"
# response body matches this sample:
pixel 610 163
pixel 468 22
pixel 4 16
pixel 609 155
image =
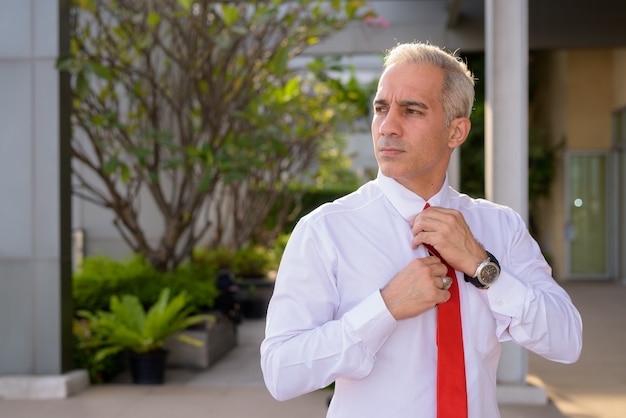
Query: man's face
pixel 411 140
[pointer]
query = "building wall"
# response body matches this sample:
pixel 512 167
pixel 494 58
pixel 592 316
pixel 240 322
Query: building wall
pixel 619 78
pixel 590 99
pixel 35 287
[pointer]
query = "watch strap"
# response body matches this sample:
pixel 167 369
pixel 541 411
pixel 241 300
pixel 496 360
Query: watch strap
pixel 474 280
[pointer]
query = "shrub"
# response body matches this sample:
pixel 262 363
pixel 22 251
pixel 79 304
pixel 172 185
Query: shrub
pixel 84 356
pixel 220 258
pixel 101 277
pixel 253 261
pixel 198 280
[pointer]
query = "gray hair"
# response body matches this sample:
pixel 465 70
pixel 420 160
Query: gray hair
pixel 457 96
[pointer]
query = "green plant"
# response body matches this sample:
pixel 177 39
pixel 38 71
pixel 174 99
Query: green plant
pixel 127 326
pixel 218 258
pixel 84 354
pixel 253 261
pixel 101 277
pixel 199 283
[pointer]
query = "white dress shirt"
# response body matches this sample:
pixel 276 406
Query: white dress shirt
pixel 327 321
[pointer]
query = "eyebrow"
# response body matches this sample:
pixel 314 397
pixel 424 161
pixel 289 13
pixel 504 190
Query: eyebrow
pixel 403 103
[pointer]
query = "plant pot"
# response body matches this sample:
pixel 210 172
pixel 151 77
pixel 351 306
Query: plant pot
pixel 255 296
pixel 148 368
pixel 254 308
pixel 218 337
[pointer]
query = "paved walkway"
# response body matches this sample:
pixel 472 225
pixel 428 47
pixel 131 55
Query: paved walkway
pixel 595 387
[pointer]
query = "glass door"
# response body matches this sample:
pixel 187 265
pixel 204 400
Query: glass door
pixel 587 212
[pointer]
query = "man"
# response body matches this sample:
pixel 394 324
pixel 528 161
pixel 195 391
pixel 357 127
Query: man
pixel 361 286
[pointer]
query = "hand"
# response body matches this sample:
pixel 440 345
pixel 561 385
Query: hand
pixel 416 288
pixel 446 230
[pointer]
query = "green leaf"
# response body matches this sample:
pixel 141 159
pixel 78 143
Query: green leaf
pixel 279 61
pixel 64 63
pixel 125 174
pixel 206 181
pixel 110 166
pixel 144 42
pixel 203 86
pixel 100 70
pixel 186 4
pixel 153 19
pixel 291 88
pixel 86 4
pixel 190 340
pixel 230 14
pixel 173 162
pixel 82 85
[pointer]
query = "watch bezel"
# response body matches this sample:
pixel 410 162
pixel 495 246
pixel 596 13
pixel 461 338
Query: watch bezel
pixel 490 263
pixel 488 273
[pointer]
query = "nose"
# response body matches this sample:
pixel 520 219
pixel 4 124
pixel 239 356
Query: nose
pixel 389 124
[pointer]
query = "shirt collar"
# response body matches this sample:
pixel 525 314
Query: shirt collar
pixel 406 202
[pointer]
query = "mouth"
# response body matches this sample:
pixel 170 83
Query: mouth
pixel 389 151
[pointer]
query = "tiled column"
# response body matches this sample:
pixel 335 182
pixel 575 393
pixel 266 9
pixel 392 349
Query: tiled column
pixel 35 228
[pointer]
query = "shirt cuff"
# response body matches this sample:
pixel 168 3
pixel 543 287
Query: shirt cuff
pixel 371 322
pixel 507 296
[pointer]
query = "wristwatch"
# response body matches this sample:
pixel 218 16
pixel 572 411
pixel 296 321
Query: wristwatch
pixel 486 273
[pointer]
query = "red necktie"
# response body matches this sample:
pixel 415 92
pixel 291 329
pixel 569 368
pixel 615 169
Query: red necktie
pixel 451 387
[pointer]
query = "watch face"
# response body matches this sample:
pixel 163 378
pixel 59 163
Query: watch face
pixel 488 274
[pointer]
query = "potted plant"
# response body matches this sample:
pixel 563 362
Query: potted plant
pixel 128 327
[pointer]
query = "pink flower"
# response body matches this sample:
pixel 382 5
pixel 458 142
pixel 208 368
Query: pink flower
pixel 376 21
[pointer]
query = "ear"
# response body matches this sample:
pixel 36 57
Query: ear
pixel 459 129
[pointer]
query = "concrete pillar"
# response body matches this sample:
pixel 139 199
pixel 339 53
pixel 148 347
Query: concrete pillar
pixel 506 107
pixel 35 223
pixel 506 150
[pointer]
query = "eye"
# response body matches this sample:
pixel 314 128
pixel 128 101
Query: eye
pixel 414 111
pixel 380 109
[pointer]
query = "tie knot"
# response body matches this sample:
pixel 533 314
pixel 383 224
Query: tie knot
pixel 427 205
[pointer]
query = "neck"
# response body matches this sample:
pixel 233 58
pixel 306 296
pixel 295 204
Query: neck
pixel 425 188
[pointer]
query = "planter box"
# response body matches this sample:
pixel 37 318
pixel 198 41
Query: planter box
pixel 255 294
pixel 218 338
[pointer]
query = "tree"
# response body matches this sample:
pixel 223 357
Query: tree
pixel 192 106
